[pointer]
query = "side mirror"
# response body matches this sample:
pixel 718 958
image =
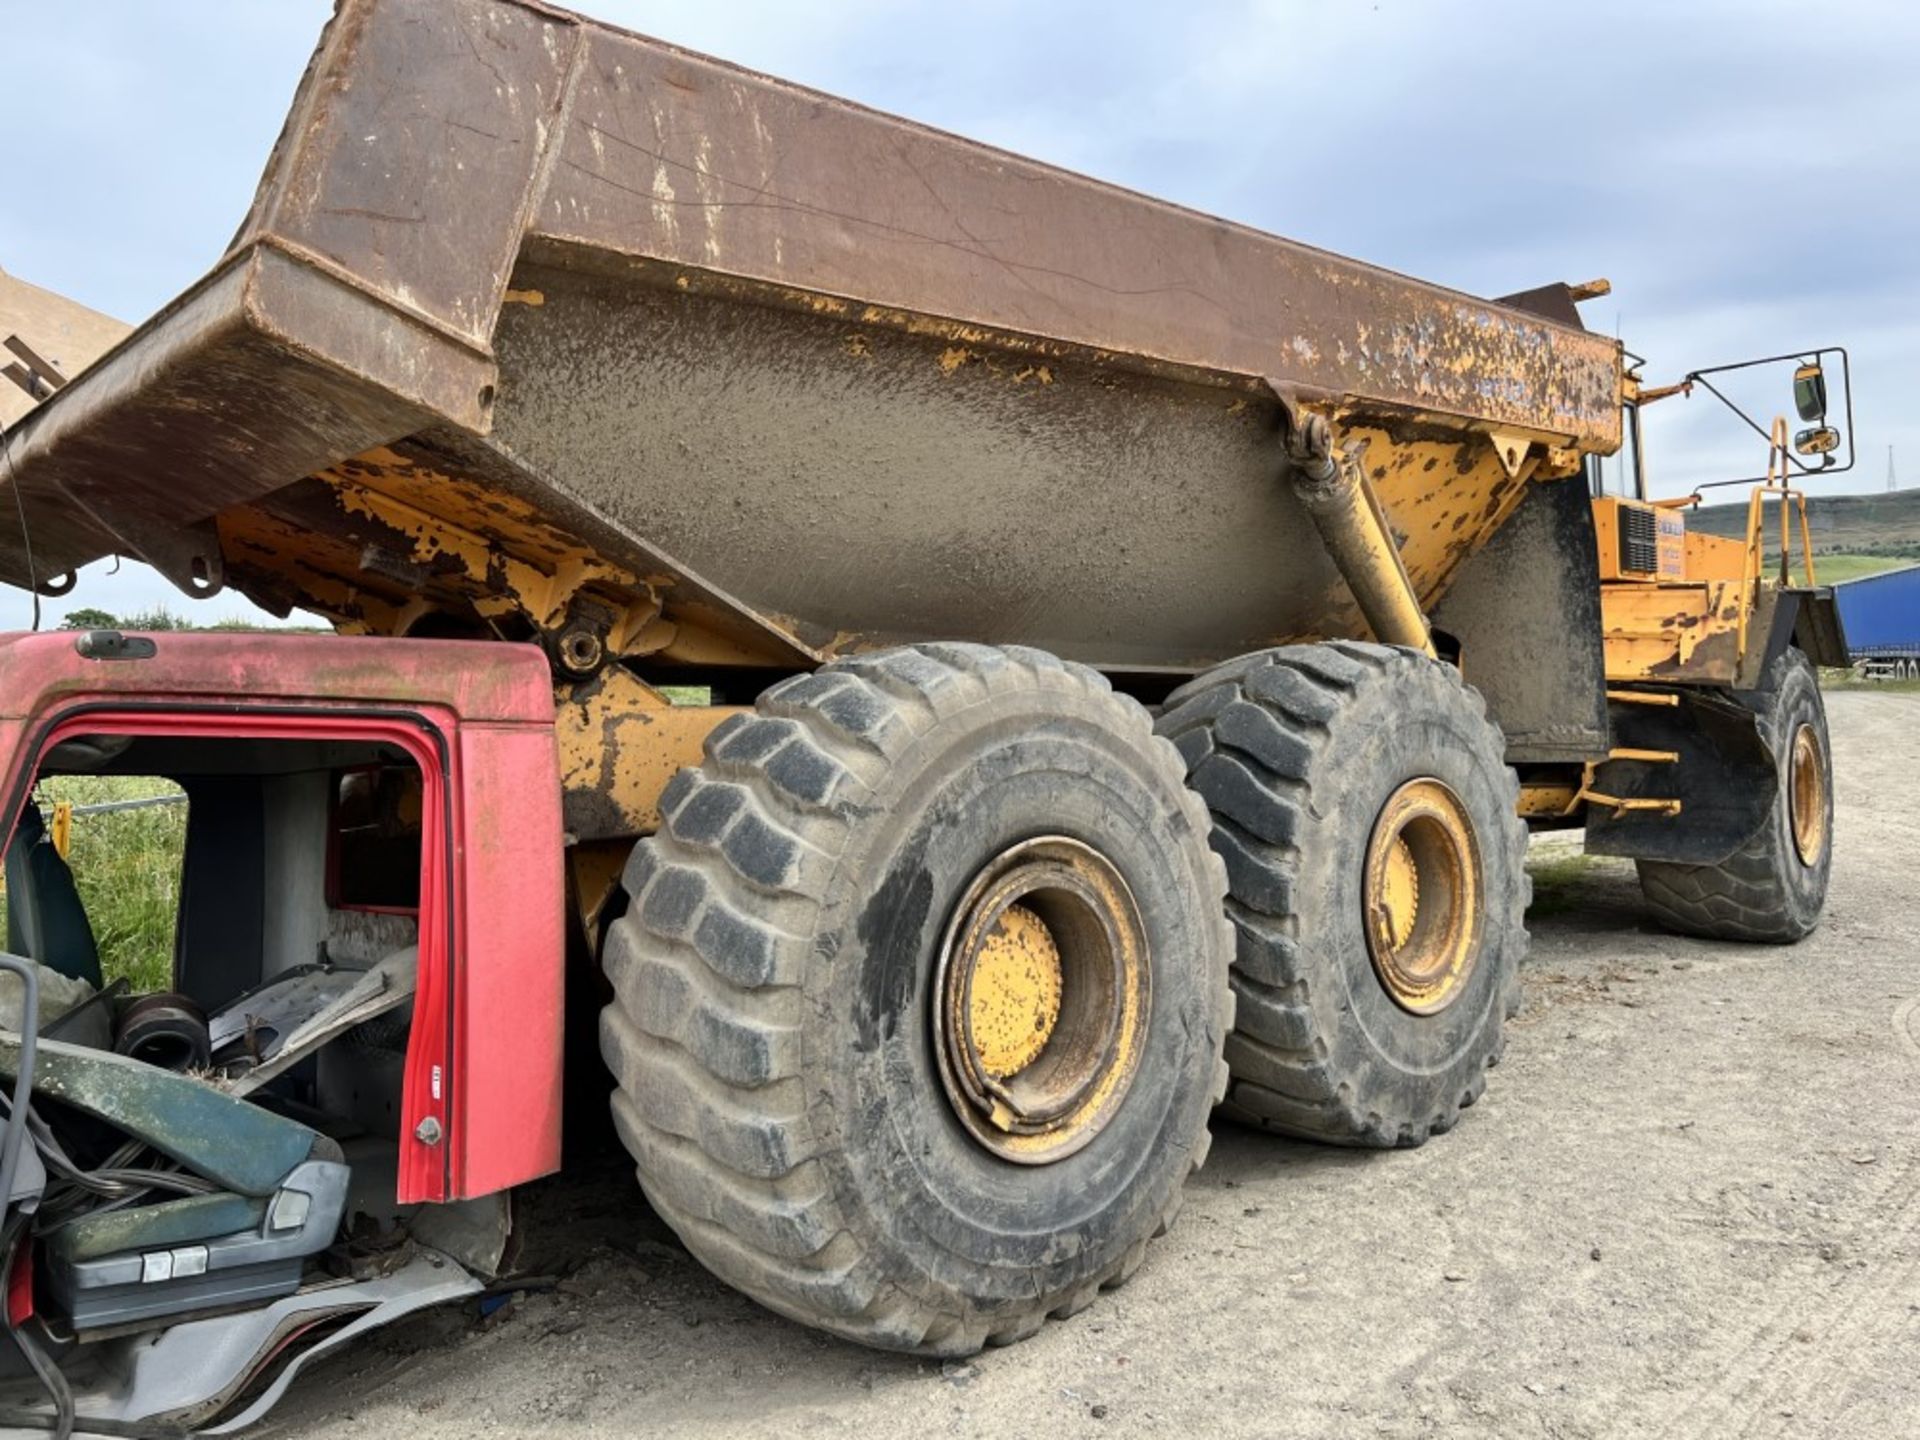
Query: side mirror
pixel 1821 440
pixel 1810 398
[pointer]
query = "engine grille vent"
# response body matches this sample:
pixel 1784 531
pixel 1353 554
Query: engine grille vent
pixel 1639 540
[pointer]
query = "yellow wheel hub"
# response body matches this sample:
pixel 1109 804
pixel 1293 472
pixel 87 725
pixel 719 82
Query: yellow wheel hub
pixel 1423 897
pixel 1399 893
pixel 1015 997
pixel 1041 999
pixel 1809 806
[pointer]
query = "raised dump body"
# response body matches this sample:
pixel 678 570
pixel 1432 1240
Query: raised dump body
pixel 533 318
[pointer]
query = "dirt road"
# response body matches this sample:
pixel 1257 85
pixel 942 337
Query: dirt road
pixel 1689 1205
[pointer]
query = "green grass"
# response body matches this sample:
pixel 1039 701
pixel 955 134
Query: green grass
pixel 1852 680
pixel 1558 881
pixel 1832 569
pixel 126 865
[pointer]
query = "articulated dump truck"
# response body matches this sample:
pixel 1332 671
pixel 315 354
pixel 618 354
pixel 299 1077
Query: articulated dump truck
pixel 926 677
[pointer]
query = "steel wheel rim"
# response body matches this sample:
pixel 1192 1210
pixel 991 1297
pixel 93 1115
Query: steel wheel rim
pixel 1808 803
pixel 1424 905
pixel 1040 1000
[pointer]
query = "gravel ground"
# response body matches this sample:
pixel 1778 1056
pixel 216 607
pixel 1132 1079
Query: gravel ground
pixel 1687 1206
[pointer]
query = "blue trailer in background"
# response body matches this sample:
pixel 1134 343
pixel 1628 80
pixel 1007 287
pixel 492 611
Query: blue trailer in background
pixel 1881 618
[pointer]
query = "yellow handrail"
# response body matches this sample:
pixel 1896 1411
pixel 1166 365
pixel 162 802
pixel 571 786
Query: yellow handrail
pixel 1779 466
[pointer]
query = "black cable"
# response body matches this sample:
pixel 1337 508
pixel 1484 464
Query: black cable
pixel 23 1080
pixel 26 539
pixel 119 1181
pixel 62 1419
pixel 119 1178
pixel 60 1422
pixel 93 1425
pixel 49 1374
pixel 142 1179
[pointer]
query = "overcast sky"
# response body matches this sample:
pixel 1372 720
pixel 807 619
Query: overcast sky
pixel 1747 175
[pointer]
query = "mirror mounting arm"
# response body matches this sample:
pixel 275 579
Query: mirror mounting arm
pixel 1663 392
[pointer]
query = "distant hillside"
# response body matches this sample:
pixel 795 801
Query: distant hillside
pixel 1886 525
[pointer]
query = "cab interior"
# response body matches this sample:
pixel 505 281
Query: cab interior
pixel 232 1135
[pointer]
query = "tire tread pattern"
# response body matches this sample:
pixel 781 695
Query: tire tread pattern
pixel 1253 732
pixel 1747 896
pixel 707 964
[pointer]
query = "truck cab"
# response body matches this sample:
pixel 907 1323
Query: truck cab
pixel 358 1052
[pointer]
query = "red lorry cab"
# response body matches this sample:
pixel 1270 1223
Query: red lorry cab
pixel 480 1104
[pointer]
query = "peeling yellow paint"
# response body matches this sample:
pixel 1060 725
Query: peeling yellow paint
pixel 1689 631
pixel 414 540
pixel 621 741
pixel 545 592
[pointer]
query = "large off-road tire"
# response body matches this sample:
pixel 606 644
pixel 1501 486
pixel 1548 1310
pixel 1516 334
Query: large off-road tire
pixel 1774 887
pixel 779 1036
pixel 1309 757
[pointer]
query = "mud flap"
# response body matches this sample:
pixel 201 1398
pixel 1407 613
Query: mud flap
pixel 1725 780
pixel 1818 630
pixel 1525 612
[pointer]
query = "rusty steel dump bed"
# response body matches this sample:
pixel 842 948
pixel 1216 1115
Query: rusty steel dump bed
pixel 534 318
